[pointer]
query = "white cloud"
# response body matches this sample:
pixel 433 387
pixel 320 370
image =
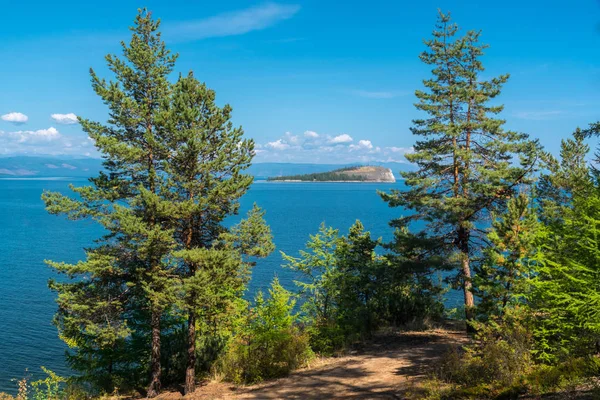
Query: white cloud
pixel 41 135
pixel 67 119
pixel 278 145
pixel 365 144
pixel 401 150
pixel 311 134
pixel 232 23
pixel 343 138
pixel 15 117
pixel 291 139
pixel 45 142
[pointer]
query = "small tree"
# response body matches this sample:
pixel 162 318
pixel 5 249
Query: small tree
pixel 269 345
pixel 503 278
pixel 319 266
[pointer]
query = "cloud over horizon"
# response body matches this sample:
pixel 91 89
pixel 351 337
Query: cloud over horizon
pixel 41 135
pixel 45 142
pixel 321 148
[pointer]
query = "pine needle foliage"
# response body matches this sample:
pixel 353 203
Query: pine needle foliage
pixel 566 296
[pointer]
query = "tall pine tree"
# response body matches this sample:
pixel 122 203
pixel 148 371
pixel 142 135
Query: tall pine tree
pixel 468 165
pixel 206 164
pixel 126 279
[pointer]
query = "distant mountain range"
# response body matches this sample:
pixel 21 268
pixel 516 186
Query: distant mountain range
pixel 49 166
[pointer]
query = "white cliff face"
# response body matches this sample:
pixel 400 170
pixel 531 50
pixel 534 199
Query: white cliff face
pixel 388 176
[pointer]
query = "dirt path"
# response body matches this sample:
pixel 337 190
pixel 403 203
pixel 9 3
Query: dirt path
pixel 384 368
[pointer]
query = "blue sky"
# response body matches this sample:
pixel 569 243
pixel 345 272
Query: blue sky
pixel 310 81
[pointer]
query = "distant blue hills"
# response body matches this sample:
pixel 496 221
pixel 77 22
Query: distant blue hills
pixel 62 166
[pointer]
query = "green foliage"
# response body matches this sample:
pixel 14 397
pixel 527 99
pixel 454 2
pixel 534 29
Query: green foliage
pixel 52 387
pixel 550 378
pixel 318 266
pixel 270 344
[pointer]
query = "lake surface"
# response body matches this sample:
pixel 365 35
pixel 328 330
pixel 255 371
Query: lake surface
pixel 29 235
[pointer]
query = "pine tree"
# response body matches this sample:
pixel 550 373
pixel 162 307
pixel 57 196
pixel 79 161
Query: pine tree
pixel 206 180
pixel 566 295
pixel 358 281
pixel 468 165
pixel 127 275
pixel 319 266
pixel 503 278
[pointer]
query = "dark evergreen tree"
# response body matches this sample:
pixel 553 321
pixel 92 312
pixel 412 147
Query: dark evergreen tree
pixel 468 165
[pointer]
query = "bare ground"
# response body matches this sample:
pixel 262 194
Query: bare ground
pixel 386 367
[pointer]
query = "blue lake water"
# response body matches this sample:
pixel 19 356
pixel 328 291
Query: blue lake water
pixel 28 236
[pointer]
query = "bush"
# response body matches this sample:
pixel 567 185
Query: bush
pixel 500 356
pixel 270 345
pixel 53 387
pixel 549 378
pixel 499 364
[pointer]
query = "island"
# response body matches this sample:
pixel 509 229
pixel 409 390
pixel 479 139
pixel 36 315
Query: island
pixel 366 173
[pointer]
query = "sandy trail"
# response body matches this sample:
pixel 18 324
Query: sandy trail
pixel 384 368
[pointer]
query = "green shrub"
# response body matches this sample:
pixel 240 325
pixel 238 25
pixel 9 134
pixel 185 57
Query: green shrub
pixel 52 387
pixel 500 355
pixel 270 345
pixel 549 378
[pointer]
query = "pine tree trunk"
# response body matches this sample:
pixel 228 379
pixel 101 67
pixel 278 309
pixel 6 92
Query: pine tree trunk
pixel 154 387
pixel 467 288
pixel 463 237
pixel 190 372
